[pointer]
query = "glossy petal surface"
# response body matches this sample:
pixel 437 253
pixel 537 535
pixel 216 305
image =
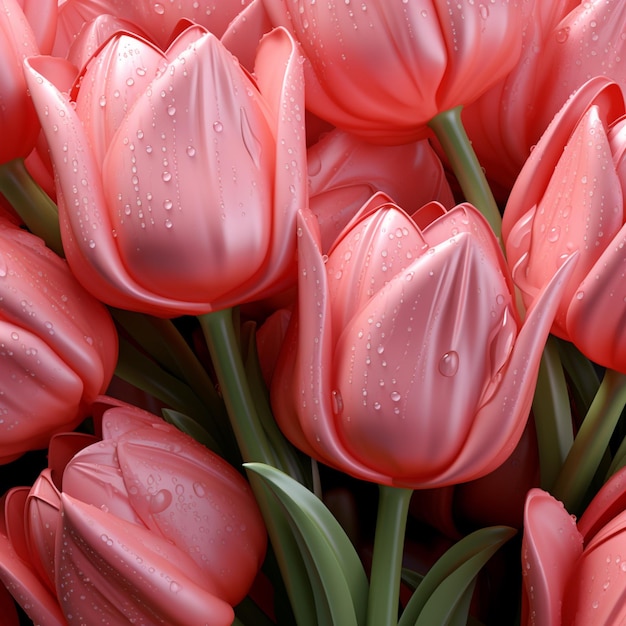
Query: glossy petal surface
pixel 109 569
pixel 368 71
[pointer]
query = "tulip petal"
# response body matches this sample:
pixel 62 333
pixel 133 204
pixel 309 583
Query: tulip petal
pixel 191 497
pixel 111 570
pixel 16 572
pixel 283 91
pixel 41 515
pixel 502 420
pixel 40 294
pixel 93 476
pixel 539 167
pixel 598 583
pixel 304 410
pixel 411 373
pixel 605 505
pixel 49 396
pixel 88 236
pixel 551 546
pixel 596 314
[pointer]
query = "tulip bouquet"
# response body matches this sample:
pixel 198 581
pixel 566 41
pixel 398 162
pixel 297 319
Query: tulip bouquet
pixel 313 312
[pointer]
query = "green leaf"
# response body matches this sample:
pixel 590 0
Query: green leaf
pixel 191 427
pixel 442 591
pixel 337 575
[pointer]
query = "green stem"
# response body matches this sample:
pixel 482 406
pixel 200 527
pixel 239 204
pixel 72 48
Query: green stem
pixel 552 414
pixel 225 353
pixel 448 127
pixel 223 346
pixel 591 442
pixel 31 203
pixel 383 600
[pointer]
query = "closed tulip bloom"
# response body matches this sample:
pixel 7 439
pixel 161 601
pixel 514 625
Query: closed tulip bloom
pixel 144 525
pixel 574 572
pixel 58 345
pixel 570 196
pixel 406 363
pixel 384 69
pixel 178 175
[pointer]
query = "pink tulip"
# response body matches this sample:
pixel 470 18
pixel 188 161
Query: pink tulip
pixel 58 345
pixel 144 525
pixel 507 120
pixel 344 171
pixel 157 19
pixel 384 69
pixel 178 177
pixel 406 363
pixel 570 196
pixel 574 573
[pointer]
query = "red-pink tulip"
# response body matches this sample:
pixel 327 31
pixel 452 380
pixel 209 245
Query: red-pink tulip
pixel 58 345
pixel 570 196
pixel 574 574
pixel 179 177
pixel 384 69
pixel 406 363
pixel 148 525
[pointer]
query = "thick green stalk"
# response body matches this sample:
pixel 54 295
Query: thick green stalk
pixel 31 203
pixel 591 442
pixel 225 353
pixel 448 127
pixel 384 594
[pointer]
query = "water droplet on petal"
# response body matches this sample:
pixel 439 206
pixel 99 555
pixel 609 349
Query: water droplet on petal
pixel 218 127
pixel 337 401
pixel 159 9
pixel 449 363
pixel 160 501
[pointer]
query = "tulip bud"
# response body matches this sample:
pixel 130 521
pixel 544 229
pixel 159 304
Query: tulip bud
pixel 406 363
pixel 58 345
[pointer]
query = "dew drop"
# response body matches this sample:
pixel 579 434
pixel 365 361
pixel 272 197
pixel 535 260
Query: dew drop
pixel 562 34
pixel 218 127
pixel 191 151
pixel 395 396
pixel 168 224
pixel 160 501
pixel 166 176
pixel 171 110
pixel 337 401
pixel 174 587
pixel 103 101
pixel 167 204
pixel 449 364
pixel 553 234
pixel 199 490
pixel 159 9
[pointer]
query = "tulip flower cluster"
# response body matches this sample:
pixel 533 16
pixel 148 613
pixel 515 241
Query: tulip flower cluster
pixel 312 312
